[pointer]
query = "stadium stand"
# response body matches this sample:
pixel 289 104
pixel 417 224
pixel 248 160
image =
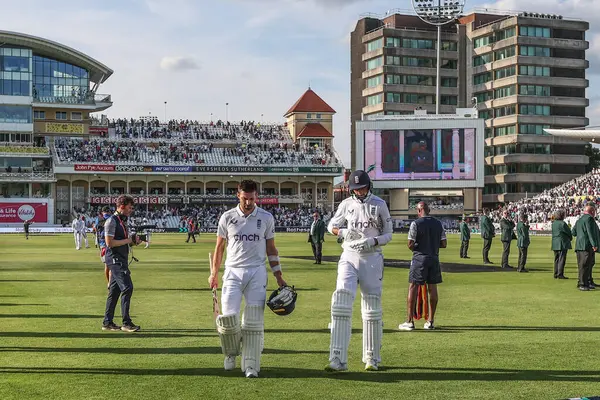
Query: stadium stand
pixel 571 196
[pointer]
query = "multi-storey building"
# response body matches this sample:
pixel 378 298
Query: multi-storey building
pixel 526 72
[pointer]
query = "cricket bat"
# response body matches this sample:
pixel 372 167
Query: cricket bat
pixel 215 297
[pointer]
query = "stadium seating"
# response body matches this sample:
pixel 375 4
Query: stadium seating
pixel 571 196
pixel 209 216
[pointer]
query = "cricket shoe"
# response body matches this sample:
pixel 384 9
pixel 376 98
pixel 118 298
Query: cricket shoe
pixel 229 363
pixel 429 325
pixel 251 373
pixel 371 365
pixel 130 327
pixel 407 326
pixel 336 365
pixel 111 327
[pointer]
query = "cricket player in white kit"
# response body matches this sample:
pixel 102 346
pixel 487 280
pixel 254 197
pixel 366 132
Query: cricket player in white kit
pixel 249 232
pixel 369 226
pixel 79 232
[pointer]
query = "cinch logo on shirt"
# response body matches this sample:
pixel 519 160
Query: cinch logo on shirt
pixel 364 224
pixel 246 238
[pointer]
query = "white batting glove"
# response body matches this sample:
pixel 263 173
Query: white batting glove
pixel 349 235
pixel 363 245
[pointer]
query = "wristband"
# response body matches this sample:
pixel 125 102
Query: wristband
pixel 276 268
pixel 341 232
pixel 274 259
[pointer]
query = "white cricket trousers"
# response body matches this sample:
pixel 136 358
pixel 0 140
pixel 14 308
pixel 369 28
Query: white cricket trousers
pixel 365 269
pixel 77 236
pixel 251 283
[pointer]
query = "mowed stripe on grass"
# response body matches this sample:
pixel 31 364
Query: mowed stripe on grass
pixel 501 334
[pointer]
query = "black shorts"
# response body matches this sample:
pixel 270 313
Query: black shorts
pixel 425 270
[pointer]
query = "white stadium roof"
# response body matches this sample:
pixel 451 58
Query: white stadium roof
pixel 591 135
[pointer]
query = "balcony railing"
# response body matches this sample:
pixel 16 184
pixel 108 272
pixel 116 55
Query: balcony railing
pixel 92 98
pixel 27 176
pixel 8 148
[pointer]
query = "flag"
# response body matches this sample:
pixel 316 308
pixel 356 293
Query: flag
pixel 421 309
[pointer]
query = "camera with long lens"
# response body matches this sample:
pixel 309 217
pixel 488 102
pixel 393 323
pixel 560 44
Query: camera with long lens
pixel 143 237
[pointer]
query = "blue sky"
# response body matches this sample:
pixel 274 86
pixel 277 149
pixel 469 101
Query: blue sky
pixel 258 55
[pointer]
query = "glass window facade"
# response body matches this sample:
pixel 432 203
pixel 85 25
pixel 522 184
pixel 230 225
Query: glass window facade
pixel 536 31
pixel 505 53
pixel 505 72
pixel 535 51
pixel 375 45
pixel 375 81
pixel 374 100
pixel 533 70
pixel 531 109
pixel 482 59
pixel 52 78
pixel 533 129
pixel 15 71
pixel 506 130
pixel 505 91
pixel 534 90
pixel 15 114
pixel 482 78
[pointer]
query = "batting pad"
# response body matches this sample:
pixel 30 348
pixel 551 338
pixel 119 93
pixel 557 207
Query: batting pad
pixel 253 325
pixel 341 324
pixel 372 327
pixel 228 327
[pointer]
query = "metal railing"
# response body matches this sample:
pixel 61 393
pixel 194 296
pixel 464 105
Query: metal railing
pixel 92 98
pixel 28 176
pixel 296 197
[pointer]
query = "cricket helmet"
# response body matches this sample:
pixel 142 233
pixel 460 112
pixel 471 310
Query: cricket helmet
pixel 283 300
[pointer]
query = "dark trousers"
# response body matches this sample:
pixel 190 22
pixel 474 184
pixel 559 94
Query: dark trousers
pixel 585 262
pixel 120 285
pixel 192 236
pixel 560 258
pixel 317 249
pixel 487 245
pixel 522 258
pixel 506 254
pixel 464 248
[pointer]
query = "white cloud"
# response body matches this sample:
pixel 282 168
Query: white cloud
pixel 178 63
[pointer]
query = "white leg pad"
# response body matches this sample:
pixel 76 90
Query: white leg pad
pixel 372 327
pixel 229 330
pixel 341 324
pixel 253 327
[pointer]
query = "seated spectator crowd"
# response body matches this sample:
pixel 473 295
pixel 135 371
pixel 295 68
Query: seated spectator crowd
pixel 571 196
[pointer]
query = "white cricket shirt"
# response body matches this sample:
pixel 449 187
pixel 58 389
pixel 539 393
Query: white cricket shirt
pixel 246 236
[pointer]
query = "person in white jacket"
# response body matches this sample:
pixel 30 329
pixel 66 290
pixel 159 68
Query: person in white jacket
pixel 369 226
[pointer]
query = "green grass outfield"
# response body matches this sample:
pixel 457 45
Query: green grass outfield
pixel 501 335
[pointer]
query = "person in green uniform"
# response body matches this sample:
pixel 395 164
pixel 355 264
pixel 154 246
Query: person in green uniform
pixel 507 227
pixel 586 245
pixel 522 242
pixel 465 236
pixel 561 242
pixel 487 234
pixel 316 236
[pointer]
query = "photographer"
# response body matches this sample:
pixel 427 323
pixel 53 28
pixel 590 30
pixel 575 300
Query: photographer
pixel 117 259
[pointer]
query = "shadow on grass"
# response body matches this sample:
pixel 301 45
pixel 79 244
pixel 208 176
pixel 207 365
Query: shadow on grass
pixel 174 289
pixel 524 328
pixel 386 375
pixel 11 295
pixel 89 335
pixel 146 350
pixel 66 316
pixel 21 304
pixel 31 280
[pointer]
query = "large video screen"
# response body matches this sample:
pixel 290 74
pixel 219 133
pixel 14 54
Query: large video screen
pixel 420 154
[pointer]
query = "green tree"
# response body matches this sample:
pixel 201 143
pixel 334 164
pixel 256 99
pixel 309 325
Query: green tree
pixel 594 154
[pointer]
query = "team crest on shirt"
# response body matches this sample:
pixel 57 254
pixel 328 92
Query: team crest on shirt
pixel 233 222
pixel 258 223
pixel 373 211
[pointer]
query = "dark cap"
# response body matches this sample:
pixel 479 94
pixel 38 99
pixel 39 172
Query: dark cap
pixel 106 209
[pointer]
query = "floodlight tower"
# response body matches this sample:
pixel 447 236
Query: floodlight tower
pixel 438 13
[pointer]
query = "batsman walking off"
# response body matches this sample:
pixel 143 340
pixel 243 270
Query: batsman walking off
pixel 369 226
pixel 249 232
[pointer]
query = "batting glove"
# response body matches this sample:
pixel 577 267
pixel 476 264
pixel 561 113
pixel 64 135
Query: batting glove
pixel 363 245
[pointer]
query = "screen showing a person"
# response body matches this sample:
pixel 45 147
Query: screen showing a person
pixel 420 154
